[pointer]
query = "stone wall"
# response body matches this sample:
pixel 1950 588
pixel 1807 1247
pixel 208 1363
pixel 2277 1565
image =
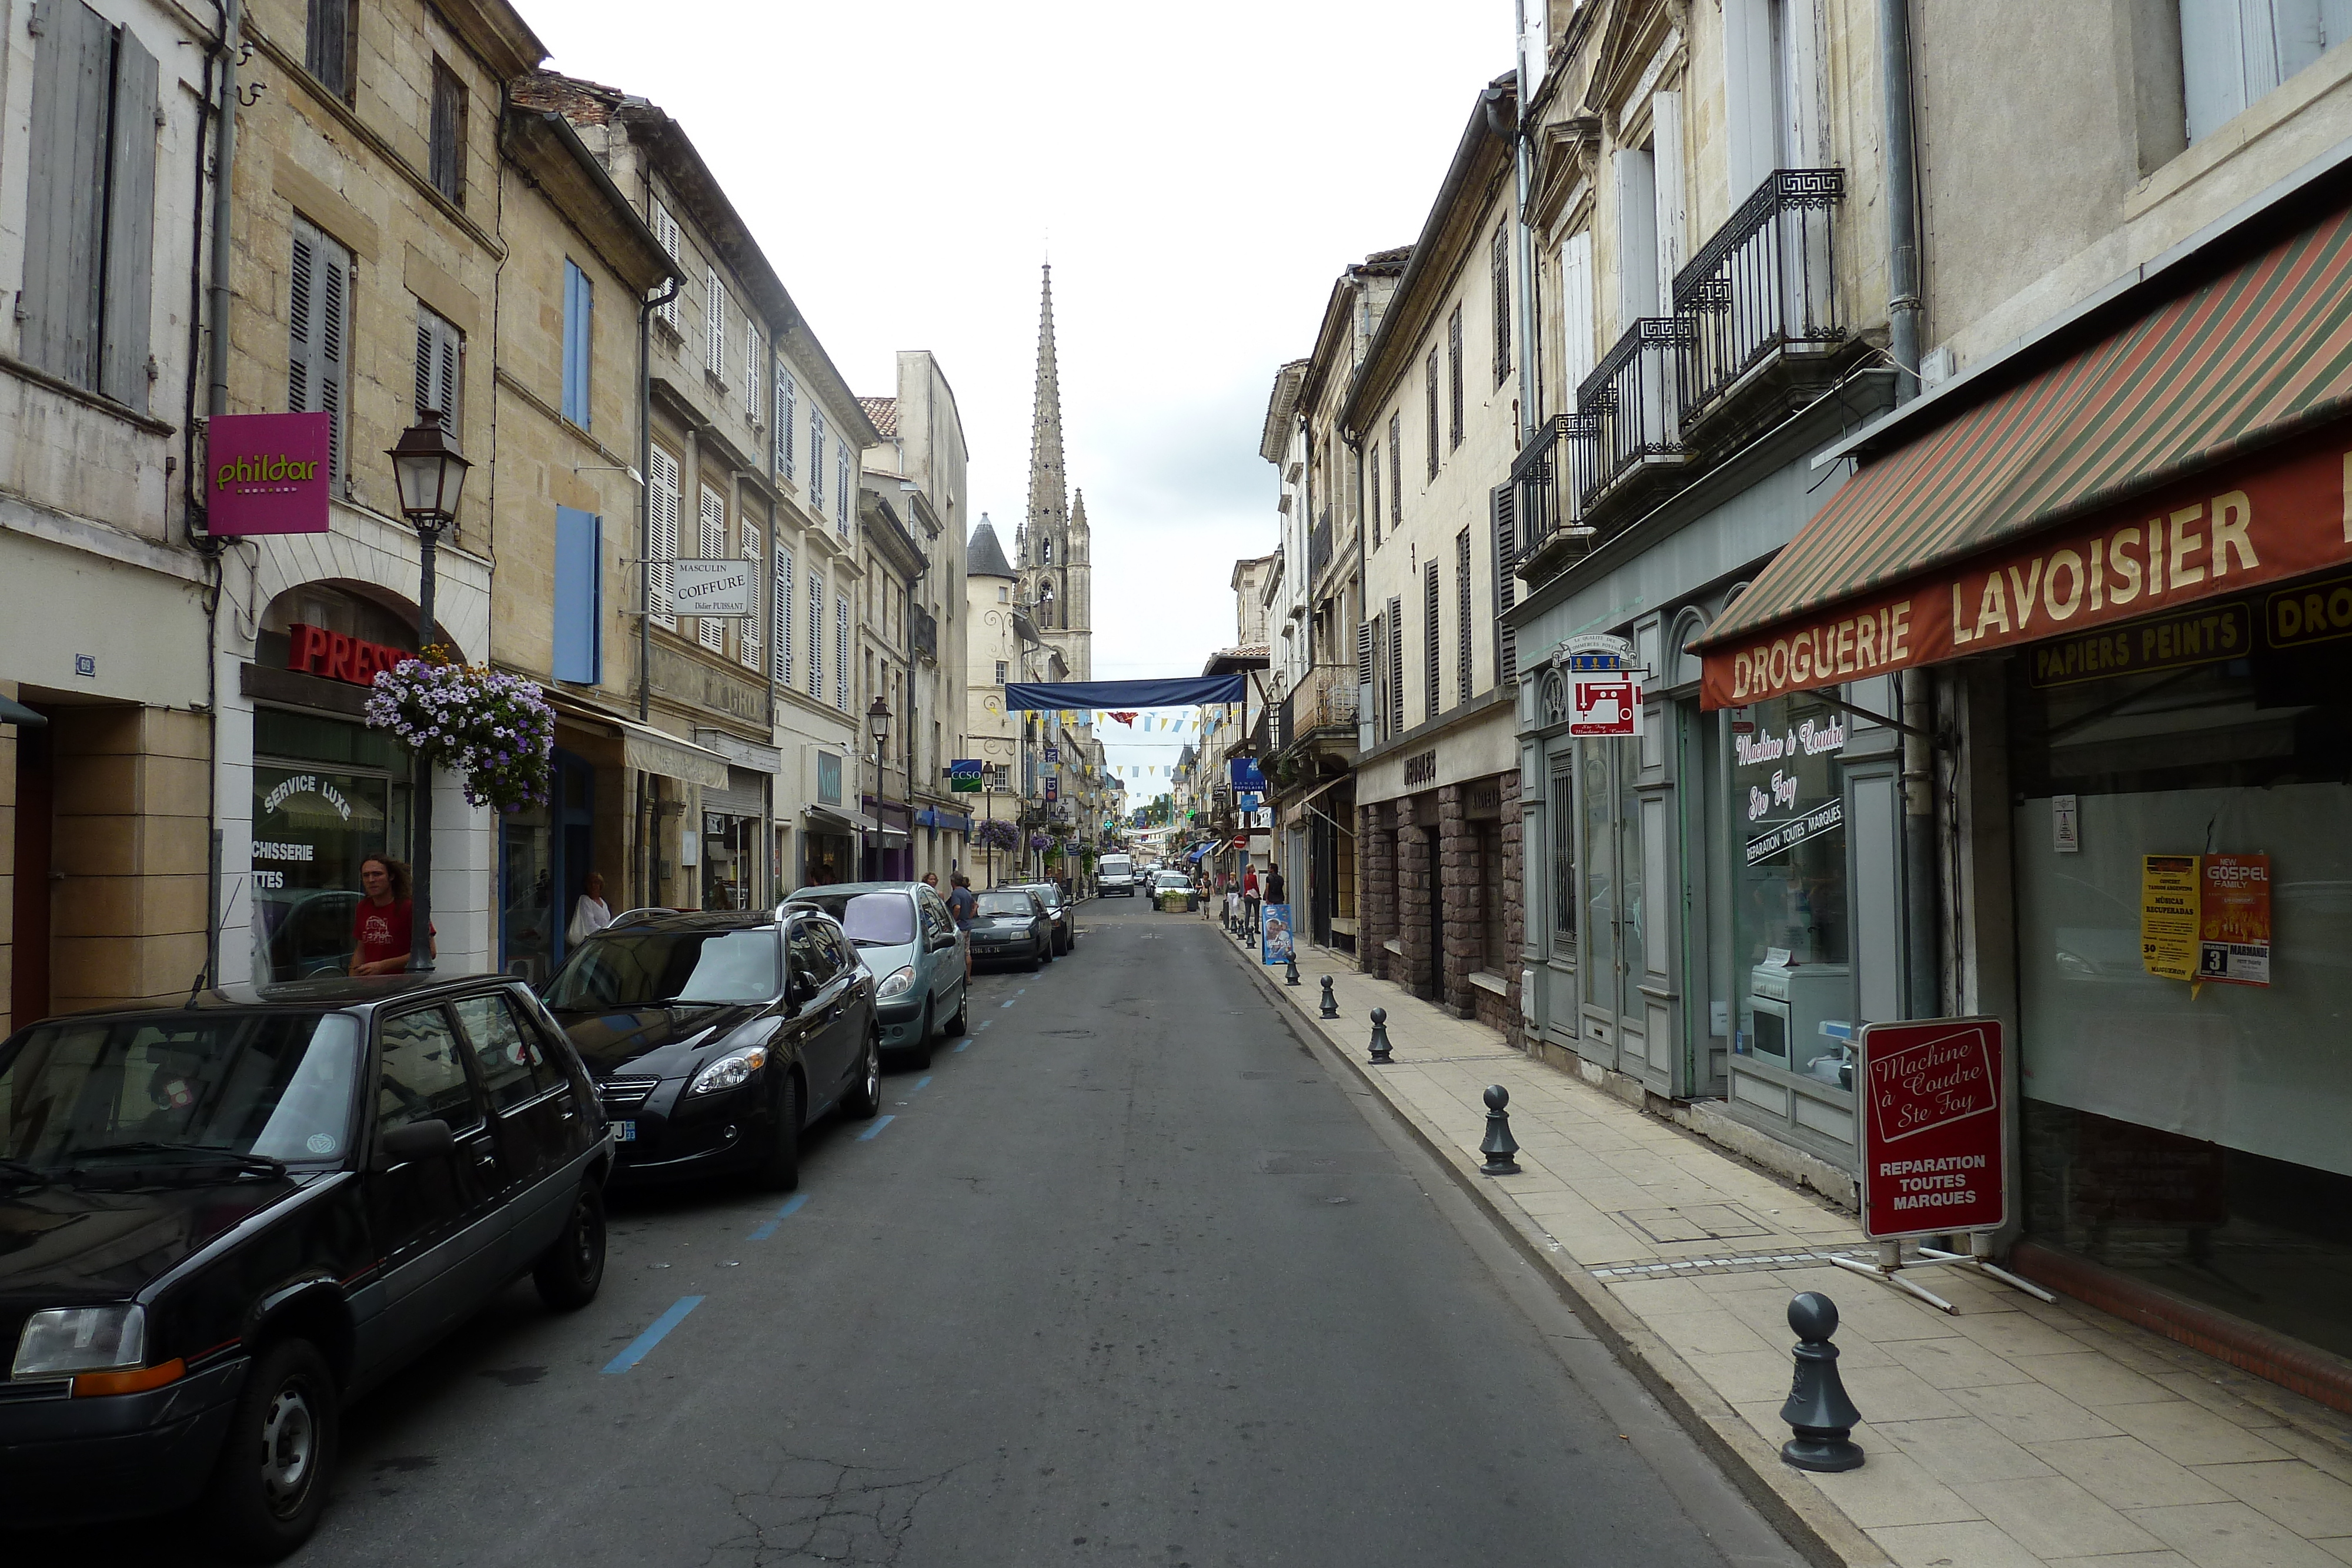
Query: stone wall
pixel 1502 1012
pixel 1416 868
pixel 1458 889
pixel 1376 881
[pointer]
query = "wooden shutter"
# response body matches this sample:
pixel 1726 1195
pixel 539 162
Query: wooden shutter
pixel 710 544
pixel 1454 374
pixel 327 46
pixel 1429 608
pixel 816 636
pixel 579 342
pixel 816 461
pixel 1396 470
pixel 1499 269
pixel 841 652
pixel 1463 662
pixel 1373 468
pixel 446 140
pixel 64 228
pixel 130 226
pixel 319 302
pixel 1429 389
pixel 714 321
pixel 1576 313
pixel 750 647
pixel 1666 169
pixel 753 367
pixel 787 410
pixel 841 484
pixel 780 614
pixel 665 231
pixel 1504 502
pixel 1367 710
pixel 661 577
pixel 1396 628
pixel 440 355
pixel 579 596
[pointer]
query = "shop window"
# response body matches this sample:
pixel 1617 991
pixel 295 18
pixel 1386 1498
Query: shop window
pixel 1560 808
pixel 1789 950
pixel 446 138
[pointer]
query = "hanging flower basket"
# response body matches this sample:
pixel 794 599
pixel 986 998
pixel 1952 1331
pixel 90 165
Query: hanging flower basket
pixel 494 730
pixel 997 836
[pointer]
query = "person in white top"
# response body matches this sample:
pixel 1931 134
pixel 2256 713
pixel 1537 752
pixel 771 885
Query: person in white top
pixel 590 915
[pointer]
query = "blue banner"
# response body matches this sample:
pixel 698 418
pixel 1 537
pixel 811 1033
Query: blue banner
pixel 1188 691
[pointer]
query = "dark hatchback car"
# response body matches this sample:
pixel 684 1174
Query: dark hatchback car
pixel 716 1038
pixel 1012 926
pixel 221 1223
pixel 1059 910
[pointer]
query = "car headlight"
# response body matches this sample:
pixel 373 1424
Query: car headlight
pixel 900 983
pixel 81 1339
pixel 729 1071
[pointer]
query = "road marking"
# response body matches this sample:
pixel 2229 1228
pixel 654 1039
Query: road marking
pixel 1008 1002
pixel 920 1083
pixel 644 1343
pixel 867 1136
pixel 790 1208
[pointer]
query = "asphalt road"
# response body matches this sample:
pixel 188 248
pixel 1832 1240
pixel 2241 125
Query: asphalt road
pixel 1130 1277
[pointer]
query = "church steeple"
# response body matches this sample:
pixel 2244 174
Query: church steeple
pixel 1050 549
pixel 1048 484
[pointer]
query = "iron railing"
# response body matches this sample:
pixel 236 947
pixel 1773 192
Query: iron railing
pixel 1324 699
pixel 1765 281
pixel 1632 402
pixel 1546 496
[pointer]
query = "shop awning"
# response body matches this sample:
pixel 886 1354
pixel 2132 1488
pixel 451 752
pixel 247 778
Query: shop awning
pixel 1295 810
pixel 646 749
pixel 831 820
pixel 18 714
pixel 2254 357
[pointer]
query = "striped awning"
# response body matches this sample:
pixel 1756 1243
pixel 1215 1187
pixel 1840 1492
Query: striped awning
pixel 2255 356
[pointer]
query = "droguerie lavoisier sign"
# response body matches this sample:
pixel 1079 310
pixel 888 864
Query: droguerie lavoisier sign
pixel 266 473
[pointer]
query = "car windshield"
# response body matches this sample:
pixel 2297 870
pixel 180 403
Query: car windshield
pixel 872 919
pixel 271 1083
pixel 1047 895
pixel 1174 879
pixel 649 968
pixel 1003 900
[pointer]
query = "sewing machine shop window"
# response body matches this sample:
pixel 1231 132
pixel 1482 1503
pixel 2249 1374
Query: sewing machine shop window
pixel 1791 913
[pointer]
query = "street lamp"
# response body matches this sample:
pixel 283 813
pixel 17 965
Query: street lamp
pixel 877 720
pixel 431 473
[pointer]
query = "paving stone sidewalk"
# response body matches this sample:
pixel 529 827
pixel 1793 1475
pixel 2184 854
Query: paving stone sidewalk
pixel 2012 1434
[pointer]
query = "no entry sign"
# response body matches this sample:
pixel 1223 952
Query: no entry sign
pixel 1933 1128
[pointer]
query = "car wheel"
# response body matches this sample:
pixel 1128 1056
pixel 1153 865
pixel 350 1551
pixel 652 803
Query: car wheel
pixel 271 1483
pixel 780 1171
pixel 865 1096
pixel 1037 958
pixel 568 1273
pixel 957 1025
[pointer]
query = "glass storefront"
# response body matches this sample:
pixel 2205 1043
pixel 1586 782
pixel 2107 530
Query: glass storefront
pixel 2191 1135
pixel 326 794
pixel 1790 962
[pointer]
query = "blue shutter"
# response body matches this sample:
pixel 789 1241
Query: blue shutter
pixel 579 596
pixel 579 317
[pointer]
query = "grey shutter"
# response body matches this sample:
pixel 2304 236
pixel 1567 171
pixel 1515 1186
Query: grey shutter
pixel 319 302
pixel 1464 674
pixel 440 347
pixel 130 227
pixel 1367 722
pixel 1505 501
pixel 64 228
pixel 1396 628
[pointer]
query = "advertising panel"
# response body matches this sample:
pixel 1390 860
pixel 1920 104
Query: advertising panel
pixel 1933 1128
pixel 1275 934
pixel 269 473
pixel 712 587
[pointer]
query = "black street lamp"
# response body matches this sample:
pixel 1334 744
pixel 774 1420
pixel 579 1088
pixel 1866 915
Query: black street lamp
pixel 431 473
pixel 877 720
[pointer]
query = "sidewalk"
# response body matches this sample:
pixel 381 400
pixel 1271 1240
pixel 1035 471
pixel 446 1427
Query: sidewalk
pixel 2015 1434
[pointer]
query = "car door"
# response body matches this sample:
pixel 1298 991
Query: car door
pixel 816 988
pixel 534 1116
pixel 433 1216
pixel 942 965
pixel 851 1014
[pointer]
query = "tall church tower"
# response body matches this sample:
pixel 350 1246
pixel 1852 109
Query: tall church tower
pixel 1051 547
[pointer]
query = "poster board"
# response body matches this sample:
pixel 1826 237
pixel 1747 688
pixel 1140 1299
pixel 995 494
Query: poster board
pixel 1935 1128
pixel 1275 934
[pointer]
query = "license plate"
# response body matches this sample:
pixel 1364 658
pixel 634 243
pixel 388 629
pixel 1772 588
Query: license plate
pixel 625 1132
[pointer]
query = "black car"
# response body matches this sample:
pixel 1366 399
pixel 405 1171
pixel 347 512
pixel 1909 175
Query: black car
pixel 220 1222
pixel 715 1038
pixel 1012 927
pixel 1058 910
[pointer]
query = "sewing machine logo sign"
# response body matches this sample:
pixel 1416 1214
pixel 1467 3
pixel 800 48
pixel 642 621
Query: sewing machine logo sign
pixel 1604 689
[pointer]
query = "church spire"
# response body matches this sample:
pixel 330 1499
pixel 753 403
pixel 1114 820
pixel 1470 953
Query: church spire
pixel 1048 492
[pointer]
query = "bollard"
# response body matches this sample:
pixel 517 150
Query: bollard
pixel 1380 1036
pixel 1500 1145
pixel 1330 1002
pixel 1290 969
pixel 1818 1410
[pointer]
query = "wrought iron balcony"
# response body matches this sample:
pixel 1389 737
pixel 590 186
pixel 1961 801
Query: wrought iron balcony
pixel 1629 410
pixel 1765 283
pixel 1546 528
pixel 1322 705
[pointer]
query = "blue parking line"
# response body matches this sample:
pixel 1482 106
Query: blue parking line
pixel 867 1136
pixel 641 1346
pixel 920 1083
pixel 1008 1002
pixel 966 1045
pixel 790 1208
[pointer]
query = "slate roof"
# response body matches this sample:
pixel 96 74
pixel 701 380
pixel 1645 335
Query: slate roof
pixel 983 557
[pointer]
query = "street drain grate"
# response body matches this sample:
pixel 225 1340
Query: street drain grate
pixel 1069 1033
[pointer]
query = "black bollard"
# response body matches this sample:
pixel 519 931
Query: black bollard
pixel 1818 1410
pixel 1500 1145
pixel 1380 1047
pixel 1290 969
pixel 1330 1002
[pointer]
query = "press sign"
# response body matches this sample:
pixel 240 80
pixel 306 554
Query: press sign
pixel 1933 1133
pixel 1605 705
pixel 712 587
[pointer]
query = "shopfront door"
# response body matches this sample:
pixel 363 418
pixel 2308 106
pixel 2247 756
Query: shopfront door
pixel 1632 915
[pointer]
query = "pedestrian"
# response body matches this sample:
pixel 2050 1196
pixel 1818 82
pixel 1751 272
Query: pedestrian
pixel 965 908
pixel 1250 897
pixel 1275 891
pixel 931 880
pixel 590 915
pixel 384 928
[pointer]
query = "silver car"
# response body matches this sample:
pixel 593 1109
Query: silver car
pixel 908 941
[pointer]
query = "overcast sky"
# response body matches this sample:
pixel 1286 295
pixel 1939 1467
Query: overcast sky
pixel 1200 174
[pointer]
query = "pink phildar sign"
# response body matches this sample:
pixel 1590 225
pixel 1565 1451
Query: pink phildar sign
pixel 268 473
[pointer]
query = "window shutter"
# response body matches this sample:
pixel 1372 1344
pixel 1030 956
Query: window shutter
pixel 665 231
pixel 1576 313
pixel 1429 389
pixel 749 646
pixel 1396 470
pixel 1396 628
pixel 816 461
pixel 1454 374
pixel 1373 469
pixel 327 45
pixel 780 611
pixel 130 227
pixel 318 313
pixel 579 342
pixel 1505 501
pixel 714 320
pixel 1499 268
pixel 841 484
pixel 710 544
pixel 579 596
pixel 816 636
pixel 754 369
pixel 661 577
pixel 1429 639
pixel 440 350
pixel 841 652
pixel 1367 712
pixel 1666 167
pixel 65 230
pixel 788 405
pixel 1465 665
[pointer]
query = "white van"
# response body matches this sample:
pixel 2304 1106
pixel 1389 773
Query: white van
pixel 1115 874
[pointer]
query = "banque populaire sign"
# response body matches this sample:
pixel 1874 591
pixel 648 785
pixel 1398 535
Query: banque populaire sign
pixel 1933 1129
pixel 266 473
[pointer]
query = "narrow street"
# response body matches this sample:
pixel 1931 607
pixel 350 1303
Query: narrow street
pixel 1128 1278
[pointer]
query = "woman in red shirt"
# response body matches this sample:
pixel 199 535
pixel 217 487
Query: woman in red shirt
pixel 383 930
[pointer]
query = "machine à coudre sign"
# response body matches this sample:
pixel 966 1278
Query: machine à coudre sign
pixel 1933 1128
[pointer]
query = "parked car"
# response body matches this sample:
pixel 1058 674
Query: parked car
pixel 1057 909
pixel 1117 874
pixel 908 941
pixel 716 1038
pixel 1012 927
pixel 1164 883
pixel 221 1223
pixel 308 930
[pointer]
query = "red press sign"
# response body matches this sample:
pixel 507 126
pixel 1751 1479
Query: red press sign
pixel 1933 1128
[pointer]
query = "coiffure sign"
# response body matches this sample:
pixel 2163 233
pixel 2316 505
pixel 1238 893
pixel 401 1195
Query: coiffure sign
pixel 2240 526
pixel 711 587
pixel 266 473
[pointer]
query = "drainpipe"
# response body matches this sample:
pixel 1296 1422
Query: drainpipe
pixel 645 309
pixel 1924 988
pixel 223 206
pixel 1523 299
